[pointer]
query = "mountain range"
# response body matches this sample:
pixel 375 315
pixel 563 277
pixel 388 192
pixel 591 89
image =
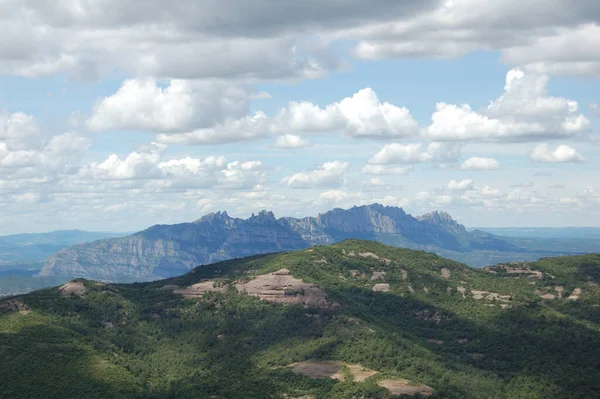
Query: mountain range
pixel 356 319
pixel 169 250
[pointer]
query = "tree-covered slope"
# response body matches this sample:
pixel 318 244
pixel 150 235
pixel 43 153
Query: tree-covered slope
pixel 369 319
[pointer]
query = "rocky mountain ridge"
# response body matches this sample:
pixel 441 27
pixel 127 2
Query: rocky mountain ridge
pixel 170 250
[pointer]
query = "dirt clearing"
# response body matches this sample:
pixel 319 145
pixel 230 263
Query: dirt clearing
pixel 72 288
pixel 331 369
pixel 404 387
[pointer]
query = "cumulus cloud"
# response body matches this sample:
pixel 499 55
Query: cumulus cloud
pixel 359 116
pixel 559 154
pixel 385 170
pixel 460 185
pixel 557 43
pixel 524 112
pixel 480 163
pixel 145 168
pixel 290 141
pixel 396 153
pixel 330 175
pixel 141 104
pixel 26 152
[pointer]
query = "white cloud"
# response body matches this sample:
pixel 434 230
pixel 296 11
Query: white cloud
pixel 330 175
pixel 524 112
pixel 290 141
pixel 359 116
pixel 396 153
pixel 480 163
pixel 594 108
pixel 556 43
pixel 385 170
pixel 559 154
pixel 460 185
pixel 141 104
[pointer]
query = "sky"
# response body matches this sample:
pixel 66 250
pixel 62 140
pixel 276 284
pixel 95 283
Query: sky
pixel 120 114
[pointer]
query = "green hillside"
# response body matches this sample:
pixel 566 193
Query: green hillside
pixel 356 319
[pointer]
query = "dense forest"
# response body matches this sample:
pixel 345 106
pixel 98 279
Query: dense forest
pixel 356 319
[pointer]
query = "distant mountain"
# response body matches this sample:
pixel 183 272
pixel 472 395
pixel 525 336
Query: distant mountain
pixel 356 319
pixel 587 233
pixel 169 250
pixel 35 247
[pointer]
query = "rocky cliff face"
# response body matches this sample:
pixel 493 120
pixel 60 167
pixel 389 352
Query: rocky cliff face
pixel 169 250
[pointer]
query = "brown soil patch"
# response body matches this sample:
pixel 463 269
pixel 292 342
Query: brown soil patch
pixel 281 287
pixel 15 305
pixel 411 289
pixel 199 289
pixel 72 288
pixel 591 284
pixel 331 369
pixel 547 296
pixel 426 290
pixel 445 273
pixel 404 387
pixel 377 275
pixel 462 340
pixel 381 287
pixel 435 341
pixel 575 294
pixel 490 296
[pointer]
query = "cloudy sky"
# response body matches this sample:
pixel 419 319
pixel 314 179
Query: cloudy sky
pixel 127 113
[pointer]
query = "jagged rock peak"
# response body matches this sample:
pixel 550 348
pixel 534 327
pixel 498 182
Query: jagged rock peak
pixel 437 217
pixel 211 217
pixel 263 216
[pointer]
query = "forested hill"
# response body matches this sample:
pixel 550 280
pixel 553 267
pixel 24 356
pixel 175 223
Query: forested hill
pixel 354 319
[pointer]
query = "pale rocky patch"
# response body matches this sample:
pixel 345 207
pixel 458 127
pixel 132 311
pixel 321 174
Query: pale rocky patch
pixel 426 290
pixel 445 273
pixel 462 340
pixel 199 289
pixel 404 274
pixel 322 260
pixel 591 284
pixel 381 287
pixel 72 288
pixel 331 369
pixel 377 275
pixel 429 315
pixel 490 296
pixel 411 289
pixel 560 290
pixel 404 387
pixel 281 287
pixel 575 294
pixel 368 255
pixel 357 273
pixel 462 290
pixel 168 287
pixel 547 296
pixel 15 305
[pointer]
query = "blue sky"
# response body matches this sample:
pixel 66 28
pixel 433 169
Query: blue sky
pixel 116 120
